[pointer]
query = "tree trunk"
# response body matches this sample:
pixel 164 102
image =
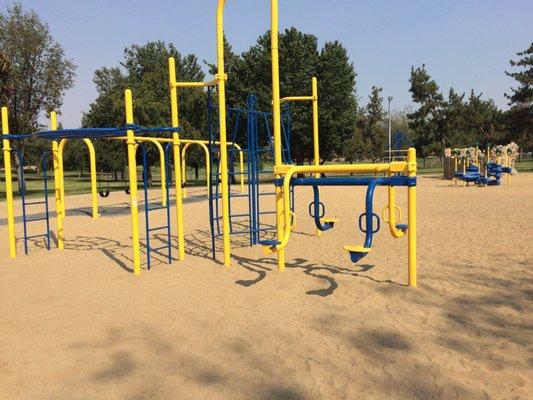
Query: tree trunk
pixel 196 172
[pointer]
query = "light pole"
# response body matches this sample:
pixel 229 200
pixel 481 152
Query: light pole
pixel 389 99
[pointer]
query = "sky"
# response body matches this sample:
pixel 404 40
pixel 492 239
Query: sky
pixel 465 44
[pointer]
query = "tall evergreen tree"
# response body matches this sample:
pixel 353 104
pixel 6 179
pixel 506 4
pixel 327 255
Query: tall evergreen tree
pixel 373 125
pixel 520 116
pixel 426 121
pixel 337 100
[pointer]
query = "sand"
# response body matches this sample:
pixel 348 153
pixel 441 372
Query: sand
pixel 77 324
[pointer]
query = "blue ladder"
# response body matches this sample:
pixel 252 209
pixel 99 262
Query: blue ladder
pixel 148 208
pixel 22 190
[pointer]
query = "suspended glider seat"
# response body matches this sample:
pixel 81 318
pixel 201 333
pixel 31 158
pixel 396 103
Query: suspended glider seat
pixel 402 227
pixel 357 252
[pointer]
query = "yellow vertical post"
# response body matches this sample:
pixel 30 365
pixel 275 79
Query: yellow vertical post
pixel 276 115
pixel 132 170
pixel 316 144
pixel 411 223
pixel 57 184
pixel 221 81
pixel 508 166
pixel 61 147
pixel 9 186
pixel 464 170
pixel 176 153
pixel 455 168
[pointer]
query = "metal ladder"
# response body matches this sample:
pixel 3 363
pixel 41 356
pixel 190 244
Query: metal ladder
pixel 149 208
pixel 25 203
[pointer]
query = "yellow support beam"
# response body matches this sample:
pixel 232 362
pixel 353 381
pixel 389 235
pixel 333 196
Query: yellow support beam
pixel 221 80
pixel 296 98
pixel 194 84
pixel 132 170
pixel 176 154
pixel 276 115
pixel 411 219
pixel 9 186
pixel 57 185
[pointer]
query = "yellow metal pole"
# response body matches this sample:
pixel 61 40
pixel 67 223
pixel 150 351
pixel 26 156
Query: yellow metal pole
pixel 132 169
pixel 94 184
pixel 221 80
pixel 276 115
pixel 455 168
pixel 411 215
pixel 9 186
pixel 176 155
pixel 57 185
pixel 508 166
pixel 61 147
pixel 316 144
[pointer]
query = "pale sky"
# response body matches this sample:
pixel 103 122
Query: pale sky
pixel 464 44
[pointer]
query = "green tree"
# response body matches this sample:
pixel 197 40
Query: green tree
pixel 5 85
pixel 483 121
pixel 144 71
pixel 373 125
pixel 300 59
pixel 337 100
pixel 454 131
pixel 426 120
pixel 40 73
pixel 520 116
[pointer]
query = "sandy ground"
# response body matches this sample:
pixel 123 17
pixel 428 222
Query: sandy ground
pixel 77 324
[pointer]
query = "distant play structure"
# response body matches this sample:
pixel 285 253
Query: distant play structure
pixel 471 165
pixel 266 148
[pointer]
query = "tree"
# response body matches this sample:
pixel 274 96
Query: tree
pixel 144 71
pixel 373 127
pixel 5 85
pixel 483 121
pixel 40 74
pixel 300 59
pixel 337 101
pixel 426 121
pixel 520 116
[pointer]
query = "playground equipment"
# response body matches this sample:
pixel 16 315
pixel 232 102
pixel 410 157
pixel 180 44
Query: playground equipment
pixel 285 175
pixel 471 165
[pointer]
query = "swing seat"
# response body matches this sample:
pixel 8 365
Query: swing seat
pixel 357 252
pixel 330 222
pixel 402 227
pixel 269 246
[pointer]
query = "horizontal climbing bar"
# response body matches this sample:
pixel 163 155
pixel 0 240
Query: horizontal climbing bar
pixel 350 181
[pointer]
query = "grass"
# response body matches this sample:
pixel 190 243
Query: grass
pixel 79 185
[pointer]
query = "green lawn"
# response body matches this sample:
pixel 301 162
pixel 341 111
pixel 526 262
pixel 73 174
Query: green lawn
pixel 76 185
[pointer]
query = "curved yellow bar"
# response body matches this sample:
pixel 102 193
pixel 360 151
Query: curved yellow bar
pixel 94 184
pixel 395 232
pixel 161 164
pixel 200 143
pixel 9 186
